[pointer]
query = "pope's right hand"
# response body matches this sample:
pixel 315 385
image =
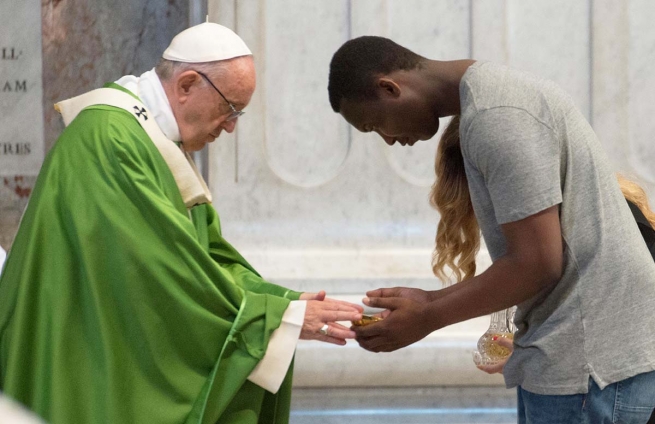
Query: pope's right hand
pixel 319 313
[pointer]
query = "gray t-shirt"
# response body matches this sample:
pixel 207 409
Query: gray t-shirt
pixel 526 148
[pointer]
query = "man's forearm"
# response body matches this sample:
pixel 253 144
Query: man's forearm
pixel 506 283
pixel 436 294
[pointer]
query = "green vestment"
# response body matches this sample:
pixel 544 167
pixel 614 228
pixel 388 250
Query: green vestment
pixel 118 305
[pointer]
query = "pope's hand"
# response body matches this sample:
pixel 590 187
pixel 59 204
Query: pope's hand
pixel 320 313
pixel 313 296
pixel 499 366
pixel 321 296
pixel 406 321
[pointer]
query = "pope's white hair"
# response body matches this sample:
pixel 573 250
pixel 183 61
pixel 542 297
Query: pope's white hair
pixel 168 69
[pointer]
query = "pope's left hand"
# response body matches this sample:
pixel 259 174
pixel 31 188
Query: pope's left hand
pixel 322 297
pixel 313 296
pixel 406 322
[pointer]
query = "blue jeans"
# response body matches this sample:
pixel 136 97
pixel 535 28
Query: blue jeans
pixel 630 401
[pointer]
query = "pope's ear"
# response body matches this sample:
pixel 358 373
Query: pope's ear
pixel 184 84
pixel 388 87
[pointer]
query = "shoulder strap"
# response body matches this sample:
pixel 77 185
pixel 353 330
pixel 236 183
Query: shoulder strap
pixel 192 187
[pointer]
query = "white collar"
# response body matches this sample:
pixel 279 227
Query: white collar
pixel 149 89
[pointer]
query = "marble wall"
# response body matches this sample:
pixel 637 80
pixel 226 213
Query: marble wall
pixel 295 185
pixel 311 203
pixel 314 205
pixel 21 97
pixel 85 43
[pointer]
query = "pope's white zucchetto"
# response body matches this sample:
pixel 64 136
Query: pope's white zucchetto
pixel 207 42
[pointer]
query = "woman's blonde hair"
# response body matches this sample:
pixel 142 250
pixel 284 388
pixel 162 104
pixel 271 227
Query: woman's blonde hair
pixel 458 235
pixel 636 195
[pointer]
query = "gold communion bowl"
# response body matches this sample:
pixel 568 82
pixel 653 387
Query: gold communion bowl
pixel 366 320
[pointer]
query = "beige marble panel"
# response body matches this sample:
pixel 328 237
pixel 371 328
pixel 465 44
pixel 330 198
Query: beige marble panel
pixel 551 39
pixel 641 79
pixel 610 88
pixel 624 86
pixel 489 31
pixel 356 209
pixel 306 144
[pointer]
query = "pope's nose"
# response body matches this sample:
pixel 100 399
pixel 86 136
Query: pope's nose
pixel 229 126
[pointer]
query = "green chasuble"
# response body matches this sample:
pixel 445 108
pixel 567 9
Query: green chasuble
pixel 119 305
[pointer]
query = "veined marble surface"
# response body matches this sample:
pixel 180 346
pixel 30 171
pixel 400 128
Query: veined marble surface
pixel 68 48
pixel 87 43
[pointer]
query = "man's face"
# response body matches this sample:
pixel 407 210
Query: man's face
pixel 394 119
pixel 203 114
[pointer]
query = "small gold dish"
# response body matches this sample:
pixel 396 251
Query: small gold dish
pixel 366 320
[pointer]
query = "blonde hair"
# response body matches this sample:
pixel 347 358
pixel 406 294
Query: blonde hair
pixel 636 195
pixel 458 234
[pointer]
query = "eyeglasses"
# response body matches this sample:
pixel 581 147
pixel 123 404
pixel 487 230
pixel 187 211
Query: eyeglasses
pixel 235 113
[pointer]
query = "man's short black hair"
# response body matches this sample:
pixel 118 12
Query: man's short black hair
pixel 356 64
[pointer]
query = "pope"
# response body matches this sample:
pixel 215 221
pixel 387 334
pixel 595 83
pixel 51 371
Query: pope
pixel 120 300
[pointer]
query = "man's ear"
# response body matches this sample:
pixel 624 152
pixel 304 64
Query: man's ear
pixel 184 83
pixel 388 87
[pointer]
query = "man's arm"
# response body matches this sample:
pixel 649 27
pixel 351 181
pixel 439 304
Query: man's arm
pixel 533 263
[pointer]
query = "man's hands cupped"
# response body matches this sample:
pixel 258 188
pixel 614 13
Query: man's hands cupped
pixel 406 319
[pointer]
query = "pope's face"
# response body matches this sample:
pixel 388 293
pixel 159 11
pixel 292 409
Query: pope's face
pixel 204 114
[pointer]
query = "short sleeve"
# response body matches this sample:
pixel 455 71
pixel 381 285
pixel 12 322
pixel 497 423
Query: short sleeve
pixel 519 158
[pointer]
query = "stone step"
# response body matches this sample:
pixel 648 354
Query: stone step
pixel 415 405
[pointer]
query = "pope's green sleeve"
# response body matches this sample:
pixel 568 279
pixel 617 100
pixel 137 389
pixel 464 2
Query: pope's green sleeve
pixel 112 309
pixel 231 260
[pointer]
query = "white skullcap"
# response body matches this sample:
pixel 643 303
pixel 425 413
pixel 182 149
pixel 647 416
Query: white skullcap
pixel 206 42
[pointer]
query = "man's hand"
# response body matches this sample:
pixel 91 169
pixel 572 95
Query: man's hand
pixel 321 312
pixel 417 295
pixel 405 323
